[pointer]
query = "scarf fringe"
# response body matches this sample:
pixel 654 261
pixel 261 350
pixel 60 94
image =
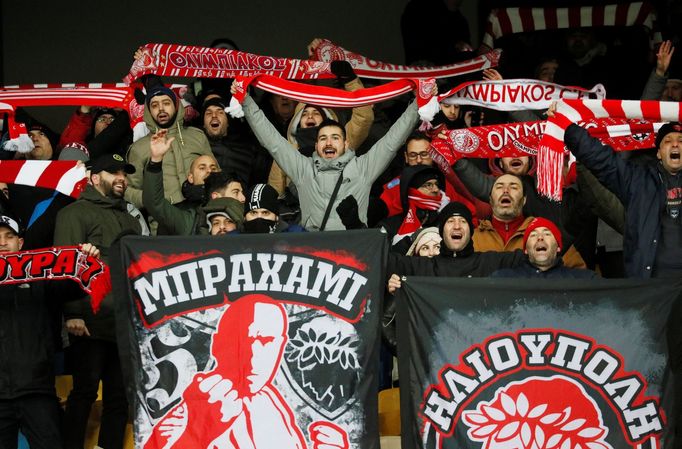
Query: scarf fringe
pixel 550 172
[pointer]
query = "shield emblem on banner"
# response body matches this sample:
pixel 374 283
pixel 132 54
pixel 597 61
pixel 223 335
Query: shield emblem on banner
pixel 321 351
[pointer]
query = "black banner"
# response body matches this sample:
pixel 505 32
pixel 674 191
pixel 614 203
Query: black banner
pixel 253 342
pixel 519 364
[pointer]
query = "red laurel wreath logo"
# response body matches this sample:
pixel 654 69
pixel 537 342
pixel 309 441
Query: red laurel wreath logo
pixel 464 141
pixel 530 414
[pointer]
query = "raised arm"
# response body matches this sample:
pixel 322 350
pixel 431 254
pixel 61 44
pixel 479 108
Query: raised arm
pixel 612 171
pixel 477 182
pixel 289 159
pixel 655 85
pixel 177 221
pixel 382 153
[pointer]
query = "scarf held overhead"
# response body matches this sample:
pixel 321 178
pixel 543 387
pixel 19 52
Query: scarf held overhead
pixel 205 62
pixel 330 97
pixel 516 94
pixel 117 95
pixel 365 67
pixel 551 147
pixel 54 264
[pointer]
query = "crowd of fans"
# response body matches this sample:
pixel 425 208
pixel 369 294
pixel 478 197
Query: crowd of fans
pixel 303 168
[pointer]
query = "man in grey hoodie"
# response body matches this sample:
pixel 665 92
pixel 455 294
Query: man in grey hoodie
pixel 332 162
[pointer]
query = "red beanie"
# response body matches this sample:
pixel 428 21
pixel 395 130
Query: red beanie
pixel 539 222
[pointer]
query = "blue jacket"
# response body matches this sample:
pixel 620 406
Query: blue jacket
pixel 640 189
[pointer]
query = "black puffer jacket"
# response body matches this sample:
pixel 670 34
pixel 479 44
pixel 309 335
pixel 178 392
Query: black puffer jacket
pixel 640 189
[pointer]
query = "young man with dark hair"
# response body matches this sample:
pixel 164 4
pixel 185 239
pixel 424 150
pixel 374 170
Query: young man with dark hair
pixel 333 162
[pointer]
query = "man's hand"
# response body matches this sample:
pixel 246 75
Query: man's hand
pixel 90 250
pixel 326 435
pixel 343 71
pixel 77 327
pixel 313 45
pixel 393 283
pixel 551 112
pixel 349 213
pixel 138 53
pixel 663 57
pixel 160 145
pixel 491 75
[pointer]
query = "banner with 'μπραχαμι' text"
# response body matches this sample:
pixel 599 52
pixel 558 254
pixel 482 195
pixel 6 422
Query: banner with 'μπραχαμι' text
pixel 252 341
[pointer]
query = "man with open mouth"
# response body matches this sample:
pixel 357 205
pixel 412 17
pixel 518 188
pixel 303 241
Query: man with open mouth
pixel 651 194
pixel 163 110
pixel 542 246
pixel 505 230
pixel 334 172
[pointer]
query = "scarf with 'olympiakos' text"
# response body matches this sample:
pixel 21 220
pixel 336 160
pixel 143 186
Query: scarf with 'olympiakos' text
pixel 204 62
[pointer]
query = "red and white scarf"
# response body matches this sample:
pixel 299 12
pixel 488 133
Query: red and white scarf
pixel 523 138
pixel 67 177
pixel 53 264
pixel 551 147
pixel 205 62
pixel 117 95
pixel 516 94
pixel 331 97
pixel 365 67
pixel 113 95
pixel 513 20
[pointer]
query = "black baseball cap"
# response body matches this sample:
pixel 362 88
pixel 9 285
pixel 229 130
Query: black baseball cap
pixel 111 163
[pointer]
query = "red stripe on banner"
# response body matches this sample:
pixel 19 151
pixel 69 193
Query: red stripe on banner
pixel 527 22
pixel 53 173
pixel 651 109
pixel 9 170
pixel 598 15
pixel 573 17
pixel 505 23
pixel 622 14
pixel 551 21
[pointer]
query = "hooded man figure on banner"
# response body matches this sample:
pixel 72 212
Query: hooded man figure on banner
pixel 236 405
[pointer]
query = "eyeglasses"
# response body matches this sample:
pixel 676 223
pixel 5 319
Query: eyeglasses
pixel 423 155
pixel 105 119
pixel 430 185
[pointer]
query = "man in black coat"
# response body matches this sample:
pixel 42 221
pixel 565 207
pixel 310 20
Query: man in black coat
pixel 457 259
pixel 29 330
pixel 651 194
